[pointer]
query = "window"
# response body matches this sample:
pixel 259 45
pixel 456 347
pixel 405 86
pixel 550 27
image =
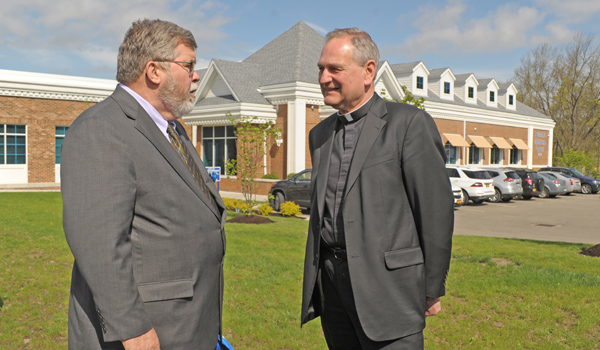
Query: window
pixel 511 100
pixel 420 83
pixel 59 136
pixel 13 145
pixel 218 146
pixel 446 87
pixel 492 96
pixel 450 153
pixel 515 155
pixel 452 172
pixel 474 154
pixel 497 154
pixel 471 92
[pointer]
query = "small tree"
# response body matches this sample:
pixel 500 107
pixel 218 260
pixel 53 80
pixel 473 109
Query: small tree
pixel 579 160
pixel 409 98
pixel 253 140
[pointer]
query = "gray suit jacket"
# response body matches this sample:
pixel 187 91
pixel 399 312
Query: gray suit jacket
pixel 147 243
pixel 398 218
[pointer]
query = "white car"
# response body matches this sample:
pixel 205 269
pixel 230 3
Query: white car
pixel 476 184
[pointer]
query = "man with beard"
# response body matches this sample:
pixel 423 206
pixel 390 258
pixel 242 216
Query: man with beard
pixel 141 215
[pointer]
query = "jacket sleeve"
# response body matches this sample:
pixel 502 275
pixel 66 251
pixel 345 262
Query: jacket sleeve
pixel 430 195
pixel 98 188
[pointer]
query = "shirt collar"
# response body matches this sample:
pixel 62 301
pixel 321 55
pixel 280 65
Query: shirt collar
pixel 158 119
pixel 357 113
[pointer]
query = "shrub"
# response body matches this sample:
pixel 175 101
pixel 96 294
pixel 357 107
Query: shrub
pixel 290 209
pixel 270 176
pixel 265 209
pixel 231 204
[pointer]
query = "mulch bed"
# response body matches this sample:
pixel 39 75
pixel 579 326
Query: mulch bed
pixel 250 219
pixel 593 251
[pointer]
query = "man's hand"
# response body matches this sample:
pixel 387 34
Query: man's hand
pixel 434 306
pixel 146 341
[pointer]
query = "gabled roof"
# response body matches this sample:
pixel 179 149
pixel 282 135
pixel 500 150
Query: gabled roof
pixel 462 78
pixel 403 68
pixel 483 83
pixel 291 57
pixel 438 72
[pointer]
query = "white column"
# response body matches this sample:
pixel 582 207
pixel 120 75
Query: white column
pixel 531 147
pixel 550 146
pixel 296 136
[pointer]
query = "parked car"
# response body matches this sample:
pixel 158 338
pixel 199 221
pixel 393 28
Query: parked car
pixel 588 183
pixel 458 197
pixel 531 183
pixel 507 184
pixel 552 186
pixel 574 181
pixel 570 185
pixel 295 189
pixel 476 184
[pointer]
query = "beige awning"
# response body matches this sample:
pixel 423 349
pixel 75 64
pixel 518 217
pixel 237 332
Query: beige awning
pixel 500 142
pixel 520 144
pixel 479 141
pixel 455 140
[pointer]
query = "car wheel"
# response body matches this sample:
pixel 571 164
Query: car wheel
pixel 545 193
pixel 586 188
pixel 278 200
pixel 527 197
pixel 477 201
pixel 496 197
pixel 465 197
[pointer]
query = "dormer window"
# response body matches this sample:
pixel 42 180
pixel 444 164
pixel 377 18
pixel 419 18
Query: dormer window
pixel 511 100
pixel 420 83
pixel 492 96
pixel 471 92
pixel 447 88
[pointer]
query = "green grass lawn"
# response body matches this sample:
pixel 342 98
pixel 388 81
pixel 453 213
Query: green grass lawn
pixel 502 293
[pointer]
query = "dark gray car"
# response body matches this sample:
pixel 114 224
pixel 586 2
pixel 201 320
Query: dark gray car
pixel 295 189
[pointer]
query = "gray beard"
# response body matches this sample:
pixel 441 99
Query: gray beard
pixel 177 104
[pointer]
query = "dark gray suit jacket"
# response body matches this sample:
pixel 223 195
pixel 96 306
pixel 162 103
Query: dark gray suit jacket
pixel 398 218
pixel 147 243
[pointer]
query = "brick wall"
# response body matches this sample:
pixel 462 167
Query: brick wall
pixel 41 117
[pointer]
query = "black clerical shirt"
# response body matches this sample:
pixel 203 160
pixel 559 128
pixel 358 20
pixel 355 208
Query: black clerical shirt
pixel 347 132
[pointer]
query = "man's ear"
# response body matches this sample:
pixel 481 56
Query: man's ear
pixel 370 71
pixel 153 72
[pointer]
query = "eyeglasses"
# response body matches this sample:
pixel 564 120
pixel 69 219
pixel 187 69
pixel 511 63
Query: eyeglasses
pixel 189 66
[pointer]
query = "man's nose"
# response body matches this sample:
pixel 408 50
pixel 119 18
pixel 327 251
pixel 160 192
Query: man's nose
pixel 324 77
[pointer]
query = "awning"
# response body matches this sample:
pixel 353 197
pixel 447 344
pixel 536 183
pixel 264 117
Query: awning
pixel 455 140
pixel 500 142
pixel 520 144
pixel 479 141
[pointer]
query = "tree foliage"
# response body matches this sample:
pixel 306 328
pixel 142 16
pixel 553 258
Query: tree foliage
pixel 563 82
pixel 253 141
pixel 579 160
pixel 408 98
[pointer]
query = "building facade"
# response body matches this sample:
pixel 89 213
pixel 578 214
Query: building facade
pixel 479 120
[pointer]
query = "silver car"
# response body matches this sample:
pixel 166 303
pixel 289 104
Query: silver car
pixel 573 183
pixel 507 184
pixel 552 186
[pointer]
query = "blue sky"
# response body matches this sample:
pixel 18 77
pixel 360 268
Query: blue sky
pixel 488 38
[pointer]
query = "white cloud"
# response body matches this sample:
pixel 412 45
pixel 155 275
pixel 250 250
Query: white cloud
pixel 571 11
pixel 446 29
pixel 317 28
pixel 94 29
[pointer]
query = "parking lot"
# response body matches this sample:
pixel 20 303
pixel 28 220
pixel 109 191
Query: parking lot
pixel 574 218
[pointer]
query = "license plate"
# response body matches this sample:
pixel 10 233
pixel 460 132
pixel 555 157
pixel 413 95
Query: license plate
pixel 534 190
pixel 487 185
pixel 459 202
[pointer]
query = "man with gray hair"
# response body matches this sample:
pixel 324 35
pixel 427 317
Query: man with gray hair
pixel 380 231
pixel 141 215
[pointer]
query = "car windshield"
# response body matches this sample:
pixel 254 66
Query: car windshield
pixel 550 175
pixel 477 174
pixel 304 176
pixel 576 172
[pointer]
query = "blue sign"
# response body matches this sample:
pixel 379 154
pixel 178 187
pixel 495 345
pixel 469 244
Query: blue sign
pixel 214 172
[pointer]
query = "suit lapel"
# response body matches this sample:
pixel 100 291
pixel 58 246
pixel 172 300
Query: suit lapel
pixel 370 131
pixel 146 126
